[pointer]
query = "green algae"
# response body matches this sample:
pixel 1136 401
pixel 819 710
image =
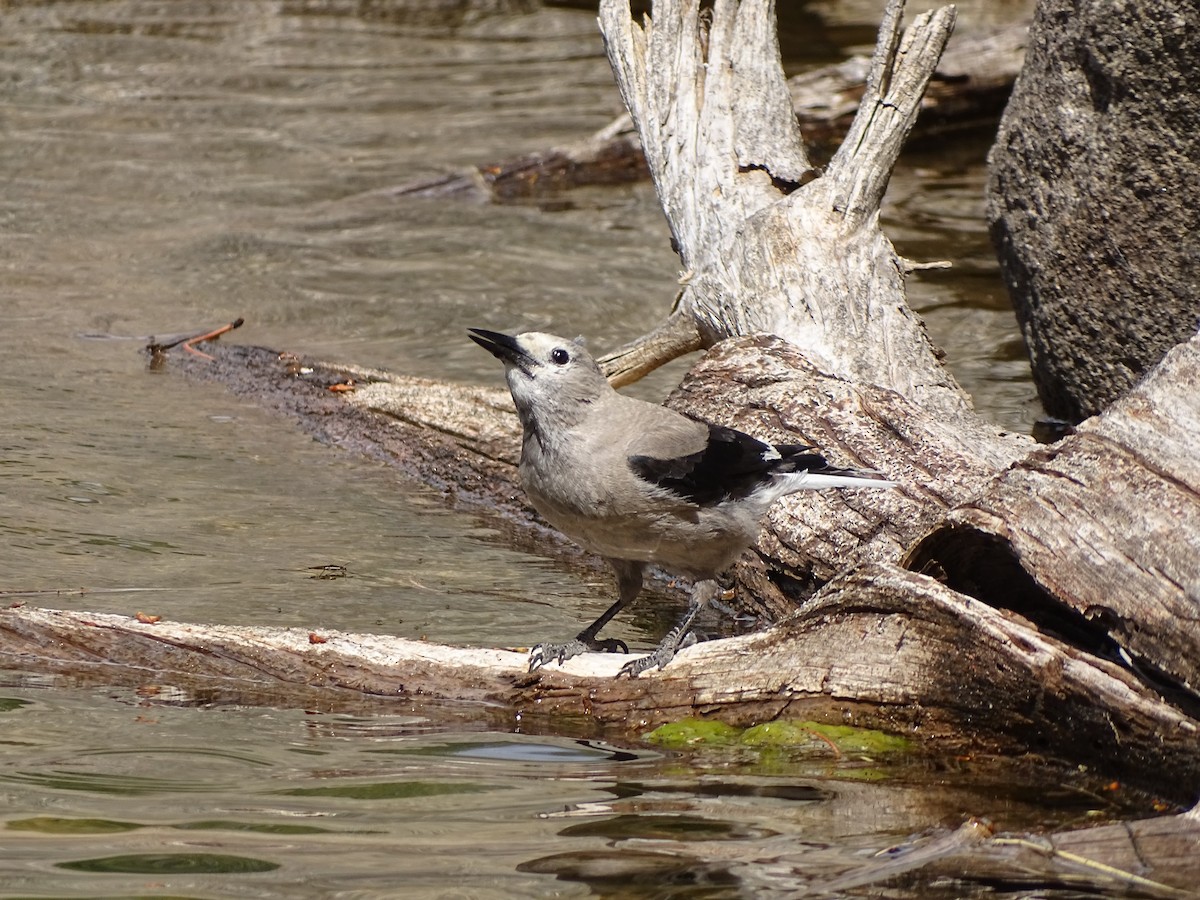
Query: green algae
pixel 789 735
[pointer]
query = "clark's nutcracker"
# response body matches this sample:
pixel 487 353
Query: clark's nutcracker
pixel 641 484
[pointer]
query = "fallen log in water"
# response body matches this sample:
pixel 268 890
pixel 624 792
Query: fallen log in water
pixel 872 648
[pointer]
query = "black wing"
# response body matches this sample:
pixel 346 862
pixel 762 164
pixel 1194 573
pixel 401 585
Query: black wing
pixel 730 467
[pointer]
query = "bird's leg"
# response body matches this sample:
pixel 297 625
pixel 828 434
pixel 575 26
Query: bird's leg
pixel 703 593
pixel 629 585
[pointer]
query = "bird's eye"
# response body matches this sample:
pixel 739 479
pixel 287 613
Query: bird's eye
pixel 559 356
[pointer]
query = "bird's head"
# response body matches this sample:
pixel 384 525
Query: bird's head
pixel 554 381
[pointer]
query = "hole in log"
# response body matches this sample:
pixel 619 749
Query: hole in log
pixel 987 568
pixel 785 186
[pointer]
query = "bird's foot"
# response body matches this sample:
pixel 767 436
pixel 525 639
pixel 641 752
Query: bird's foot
pixel 560 653
pixel 663 654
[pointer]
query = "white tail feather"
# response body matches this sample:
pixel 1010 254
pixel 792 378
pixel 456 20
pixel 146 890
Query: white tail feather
pixel 785 483
pixel 813 481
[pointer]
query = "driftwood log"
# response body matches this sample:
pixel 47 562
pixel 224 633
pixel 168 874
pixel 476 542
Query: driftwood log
pixel 489 689
pixel 1005 597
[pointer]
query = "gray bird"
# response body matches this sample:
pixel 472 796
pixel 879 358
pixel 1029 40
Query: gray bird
pixel 640 484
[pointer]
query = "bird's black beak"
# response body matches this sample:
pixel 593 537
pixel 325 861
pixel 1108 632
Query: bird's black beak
pixel 502 346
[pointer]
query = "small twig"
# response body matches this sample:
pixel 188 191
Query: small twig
pixel 914 266
pixel 837 751
pixel 1097 868
pixel 189 343
pixel 673 338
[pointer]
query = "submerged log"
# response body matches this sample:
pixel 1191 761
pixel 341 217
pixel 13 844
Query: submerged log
pixel 194 664
pixel 1151 858
pixel 870 649
pixel 969 89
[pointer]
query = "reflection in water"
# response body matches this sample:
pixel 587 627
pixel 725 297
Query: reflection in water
pixel 674 827
pixel 640 874
pixel 110 782
pixel 166 864
pixel 169 167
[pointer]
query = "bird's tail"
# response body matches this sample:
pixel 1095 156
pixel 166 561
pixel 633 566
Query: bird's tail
pixel 801 470
pixel 834 478
pixel 818 477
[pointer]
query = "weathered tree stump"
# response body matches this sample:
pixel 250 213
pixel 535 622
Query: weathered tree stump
pixel 767 243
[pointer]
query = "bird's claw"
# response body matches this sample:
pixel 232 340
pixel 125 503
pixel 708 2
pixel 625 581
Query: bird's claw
pixel 560 653
pixel 663 654
pixel 657 659
pixel 545 653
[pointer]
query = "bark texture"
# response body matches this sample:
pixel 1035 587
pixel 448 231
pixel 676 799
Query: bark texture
pixel 1099 535
pixel 768 243
pixel 870 649
pixel 1092 196
pixel 768 387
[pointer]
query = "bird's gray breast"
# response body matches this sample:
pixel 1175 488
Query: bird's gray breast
pixel 588 491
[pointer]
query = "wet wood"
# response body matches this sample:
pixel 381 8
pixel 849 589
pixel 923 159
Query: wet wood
pixel 461 440
pixel 610 156
pixel 870 649
pixel 1151 858
pixel 799 669
pixel 1154 852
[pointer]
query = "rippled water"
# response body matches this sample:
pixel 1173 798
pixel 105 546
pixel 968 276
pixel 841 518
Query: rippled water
pixel 172 166
pixel 128 793
pixel 138 797
pixel 168 166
